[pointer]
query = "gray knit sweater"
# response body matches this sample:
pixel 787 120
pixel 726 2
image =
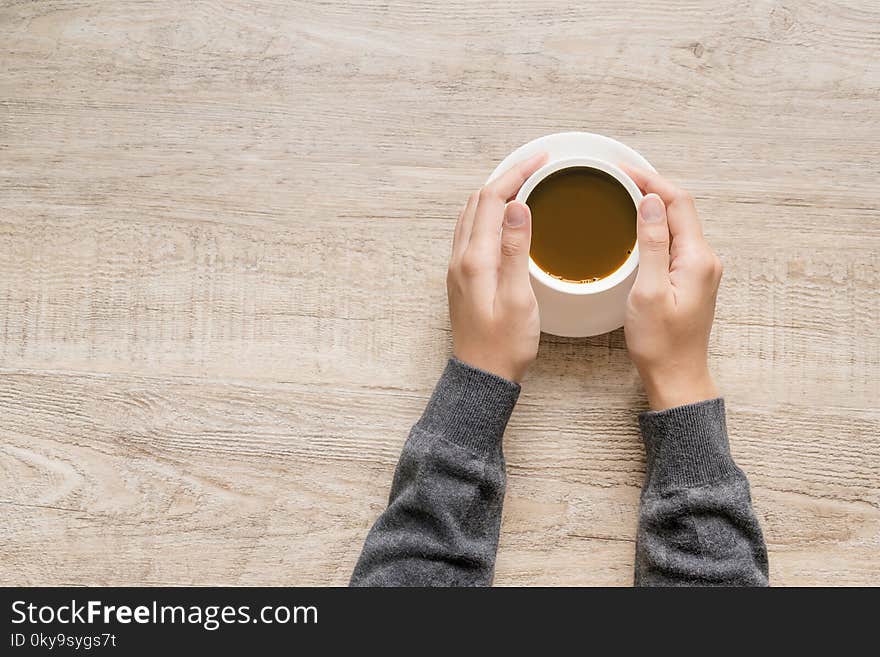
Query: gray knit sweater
pixel 696 523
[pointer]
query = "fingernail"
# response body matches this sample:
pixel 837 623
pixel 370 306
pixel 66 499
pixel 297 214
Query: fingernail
pixel 515 215
pixel 651 209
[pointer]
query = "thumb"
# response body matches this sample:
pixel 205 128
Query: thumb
pixel 516 238
pixel 653 236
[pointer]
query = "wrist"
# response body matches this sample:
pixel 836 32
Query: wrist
pixel 497 366
pixel 470 407
pixel 676 387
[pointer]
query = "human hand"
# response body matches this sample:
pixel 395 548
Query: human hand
pixel 494 315
pixel 672 303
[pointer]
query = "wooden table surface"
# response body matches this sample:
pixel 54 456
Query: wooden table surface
pixel 224 229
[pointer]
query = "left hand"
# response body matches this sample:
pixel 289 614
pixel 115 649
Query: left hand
pixel 495 322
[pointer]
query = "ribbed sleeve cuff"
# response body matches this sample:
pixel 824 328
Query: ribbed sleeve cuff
pixel 470 407
pixel 687 446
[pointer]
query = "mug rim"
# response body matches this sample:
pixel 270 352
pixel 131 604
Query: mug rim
pixel 628 266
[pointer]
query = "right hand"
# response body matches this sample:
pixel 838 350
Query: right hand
pixel 672 303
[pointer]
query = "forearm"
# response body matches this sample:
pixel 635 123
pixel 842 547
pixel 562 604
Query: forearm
pixel 696 522
pixel 444 513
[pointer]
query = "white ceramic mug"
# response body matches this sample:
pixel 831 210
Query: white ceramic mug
pixel 567 302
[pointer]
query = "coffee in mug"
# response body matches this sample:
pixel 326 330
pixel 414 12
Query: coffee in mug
pixel 583 224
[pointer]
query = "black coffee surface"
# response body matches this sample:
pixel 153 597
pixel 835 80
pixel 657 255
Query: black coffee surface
pixel 583 224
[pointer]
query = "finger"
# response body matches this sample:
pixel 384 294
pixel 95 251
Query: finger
pixel 651 182
pixel 516 237
pixel 463 228
pixel 653 236
pixel 508 183
pixel 490 206
pixel 684 223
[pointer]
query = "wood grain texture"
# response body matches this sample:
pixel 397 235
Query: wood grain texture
pixel 223 238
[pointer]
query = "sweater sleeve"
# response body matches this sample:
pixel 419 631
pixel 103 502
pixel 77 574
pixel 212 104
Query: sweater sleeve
pixel 696 522
pixel 444 513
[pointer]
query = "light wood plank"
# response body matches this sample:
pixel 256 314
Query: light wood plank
pixel 223 238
